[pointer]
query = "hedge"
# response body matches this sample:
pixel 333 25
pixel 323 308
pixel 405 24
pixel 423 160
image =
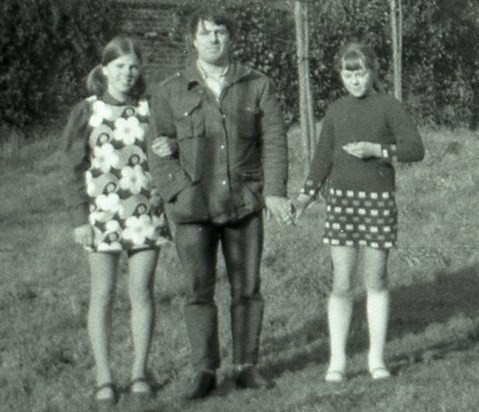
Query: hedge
pixel 46 49
pixel 48 46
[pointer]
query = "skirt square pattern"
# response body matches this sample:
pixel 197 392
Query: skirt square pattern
pixel 360 218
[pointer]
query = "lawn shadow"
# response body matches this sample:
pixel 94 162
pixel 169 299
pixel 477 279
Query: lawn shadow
pixel 413 309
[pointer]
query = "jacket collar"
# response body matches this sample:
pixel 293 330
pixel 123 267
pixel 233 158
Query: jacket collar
pixel 236 72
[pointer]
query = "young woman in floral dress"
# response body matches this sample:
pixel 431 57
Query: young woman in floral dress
pixel 114 207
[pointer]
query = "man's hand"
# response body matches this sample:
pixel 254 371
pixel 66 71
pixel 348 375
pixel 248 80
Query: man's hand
pixel 363 150
pixel 280 208
pixel 83 235
pixel 162 146
pixel 301 204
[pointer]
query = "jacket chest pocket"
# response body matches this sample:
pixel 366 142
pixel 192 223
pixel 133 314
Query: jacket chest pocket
pixel 190 133
pixel 189 121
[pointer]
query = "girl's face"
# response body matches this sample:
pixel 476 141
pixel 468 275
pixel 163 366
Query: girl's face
pixel 358 81
pixel 122 74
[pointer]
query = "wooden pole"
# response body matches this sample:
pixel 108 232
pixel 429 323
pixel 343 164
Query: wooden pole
pixel 305 95
pixel 396 40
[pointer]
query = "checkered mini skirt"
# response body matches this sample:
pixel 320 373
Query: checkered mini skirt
pixel 360 218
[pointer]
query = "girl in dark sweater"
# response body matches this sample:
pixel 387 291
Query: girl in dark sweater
pixel 363 134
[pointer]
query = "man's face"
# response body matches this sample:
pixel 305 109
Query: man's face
pixel 212 42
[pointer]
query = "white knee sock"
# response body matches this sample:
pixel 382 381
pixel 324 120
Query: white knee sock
pixel 378 316
pixel 339 317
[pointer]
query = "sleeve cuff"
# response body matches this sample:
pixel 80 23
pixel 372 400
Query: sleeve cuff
pixel 389 153
pixel 311 189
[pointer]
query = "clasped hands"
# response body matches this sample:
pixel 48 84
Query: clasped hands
pixel 285 210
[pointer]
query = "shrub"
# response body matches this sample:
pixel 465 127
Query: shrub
pixel 46 49
pixel 440 58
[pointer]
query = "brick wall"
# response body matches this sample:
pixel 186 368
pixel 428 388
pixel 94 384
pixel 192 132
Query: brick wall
pixel 152 23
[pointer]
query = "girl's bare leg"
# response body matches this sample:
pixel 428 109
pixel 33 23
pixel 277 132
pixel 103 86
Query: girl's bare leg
pixel 340 308
pixel 142 266
pixel 103 275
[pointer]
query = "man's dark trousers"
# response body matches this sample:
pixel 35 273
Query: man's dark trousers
pixel 241 244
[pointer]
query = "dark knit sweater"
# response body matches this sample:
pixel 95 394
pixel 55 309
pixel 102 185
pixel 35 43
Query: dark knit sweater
pixel 377 118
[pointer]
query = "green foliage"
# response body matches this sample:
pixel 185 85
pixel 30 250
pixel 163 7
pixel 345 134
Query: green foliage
pixel 265 39
pixel 48 46
pixel 46 49
pixel 440 57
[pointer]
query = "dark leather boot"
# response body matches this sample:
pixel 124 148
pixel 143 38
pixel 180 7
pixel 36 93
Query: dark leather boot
pixel 246 324
pixel 249 377
pixel 203 384
pixel 202 328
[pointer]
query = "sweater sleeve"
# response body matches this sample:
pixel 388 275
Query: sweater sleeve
pixel 322 159
pixel 274 144
pixel 408 146
pixel 76 163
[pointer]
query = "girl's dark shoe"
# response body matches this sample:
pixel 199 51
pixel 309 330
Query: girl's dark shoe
pixel 203 384
pixel 250 378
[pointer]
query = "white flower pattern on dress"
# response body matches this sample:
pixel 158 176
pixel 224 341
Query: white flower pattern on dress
pixel 143 109
pixel 90 184
pixel 123 210
pixel 134 179
pixel 138 229
pixel 104 157
pixel 128 130
pixel 109 202
pixel 98 115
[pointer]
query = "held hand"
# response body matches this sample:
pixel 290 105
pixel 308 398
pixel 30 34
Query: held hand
pixel 83 235
pixel 280 208
pixel 162 147
pixel 363 150
pixel 301 204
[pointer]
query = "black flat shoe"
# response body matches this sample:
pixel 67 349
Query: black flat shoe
pixel 250 378
pixel 203 384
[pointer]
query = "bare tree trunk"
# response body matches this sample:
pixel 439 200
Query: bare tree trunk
pixel 308 129
pixel 396 40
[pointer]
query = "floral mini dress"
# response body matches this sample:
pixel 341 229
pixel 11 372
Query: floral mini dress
pixel 126 212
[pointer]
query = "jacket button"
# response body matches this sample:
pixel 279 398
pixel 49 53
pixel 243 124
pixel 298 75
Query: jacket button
pixel 171 176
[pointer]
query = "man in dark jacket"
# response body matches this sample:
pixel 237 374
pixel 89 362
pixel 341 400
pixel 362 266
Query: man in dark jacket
pixel 230 161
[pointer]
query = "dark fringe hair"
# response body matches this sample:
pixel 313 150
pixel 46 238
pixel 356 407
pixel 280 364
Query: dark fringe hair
pixel 212 14
pixel 354 56
pixel 97 83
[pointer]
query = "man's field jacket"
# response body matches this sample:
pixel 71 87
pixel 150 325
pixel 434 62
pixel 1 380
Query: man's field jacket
pixel 230 152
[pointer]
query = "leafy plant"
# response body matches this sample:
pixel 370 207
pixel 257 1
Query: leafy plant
pixel 46 49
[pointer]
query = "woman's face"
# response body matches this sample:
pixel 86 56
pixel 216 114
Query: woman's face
pixel 122 74
pixel 358 82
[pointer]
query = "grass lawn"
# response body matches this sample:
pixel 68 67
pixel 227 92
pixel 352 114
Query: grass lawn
pixel 433 342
